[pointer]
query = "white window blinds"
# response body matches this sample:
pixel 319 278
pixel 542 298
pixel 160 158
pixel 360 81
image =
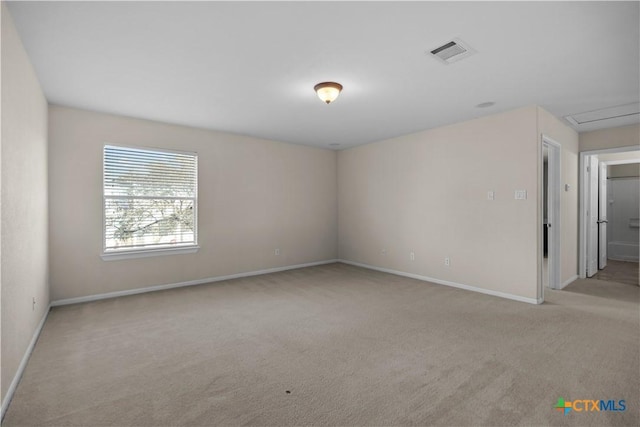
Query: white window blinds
pixel 150 199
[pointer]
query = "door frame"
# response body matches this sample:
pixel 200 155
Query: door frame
pixel 602 215
pixel 554 168
pixel 592 190
pixel 583 196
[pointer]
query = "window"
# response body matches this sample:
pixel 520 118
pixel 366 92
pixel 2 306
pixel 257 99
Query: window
pixel 150 202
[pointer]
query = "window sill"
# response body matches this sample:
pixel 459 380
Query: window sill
pixel 146 253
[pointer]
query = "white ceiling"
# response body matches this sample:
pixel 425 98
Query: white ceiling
pixel 250 67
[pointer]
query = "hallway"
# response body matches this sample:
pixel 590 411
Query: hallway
pixel 619 271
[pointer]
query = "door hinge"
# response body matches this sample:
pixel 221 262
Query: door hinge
pixel 588 168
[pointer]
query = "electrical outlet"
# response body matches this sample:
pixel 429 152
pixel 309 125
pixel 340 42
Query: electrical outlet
pixel 447 261
pixel 384 251
pixel 491 195
pixel 412 256
pixel 277 251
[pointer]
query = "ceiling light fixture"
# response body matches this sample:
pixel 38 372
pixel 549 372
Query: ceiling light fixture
pixel 328 91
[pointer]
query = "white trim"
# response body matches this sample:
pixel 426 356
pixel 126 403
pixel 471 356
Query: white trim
pixel 569 281
pixel 105 256
pixel 117 294
pixel 621 162
pixel 612 150
pixel 145 253
pixel 625 258
pixel 445 282
pixel 582 225
pixel 582 197
pixel 23 364
pixel 554 237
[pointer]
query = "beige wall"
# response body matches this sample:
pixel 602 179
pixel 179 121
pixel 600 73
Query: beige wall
pixel 24 202
pixel 427 193
pixel 623 136
pixel 254 196
pixel 568 138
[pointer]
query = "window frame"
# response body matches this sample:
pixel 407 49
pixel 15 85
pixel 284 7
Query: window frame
pixel 144 252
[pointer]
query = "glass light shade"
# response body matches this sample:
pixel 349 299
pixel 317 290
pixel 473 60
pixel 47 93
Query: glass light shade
pixel 328 91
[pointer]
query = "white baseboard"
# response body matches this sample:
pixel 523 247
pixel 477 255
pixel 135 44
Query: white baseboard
pixel 625 258
pixel 116 294
pixel 445 282
pixel 569 281
pixel 23 365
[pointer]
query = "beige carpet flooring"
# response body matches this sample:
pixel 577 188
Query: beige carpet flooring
pixel 334 345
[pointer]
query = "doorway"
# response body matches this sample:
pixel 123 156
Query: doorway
pixel 596 204
pixel 550 215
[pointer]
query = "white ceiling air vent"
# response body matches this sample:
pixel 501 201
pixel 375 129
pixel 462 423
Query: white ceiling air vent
pixel 452 51
pixel 628 111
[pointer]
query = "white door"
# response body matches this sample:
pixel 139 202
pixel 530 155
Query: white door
pixel 602 217
pixel 592 216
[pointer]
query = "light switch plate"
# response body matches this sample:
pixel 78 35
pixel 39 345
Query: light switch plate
pixel 521 194
pixel 491 195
